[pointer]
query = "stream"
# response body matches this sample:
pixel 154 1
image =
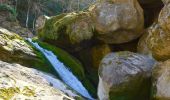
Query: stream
pixel 65 74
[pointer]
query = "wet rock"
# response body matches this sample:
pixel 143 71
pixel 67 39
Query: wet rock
pixel 113 20
pixel 155 42
pixel 160 77
pixel 125 76
pixel 19 82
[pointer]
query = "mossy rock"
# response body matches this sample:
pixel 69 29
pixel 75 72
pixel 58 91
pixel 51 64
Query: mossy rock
pixel 69 30
pixel 14 49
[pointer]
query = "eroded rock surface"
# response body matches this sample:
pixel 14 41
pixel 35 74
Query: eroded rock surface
pixel 19 82
pixel 14 48
pixel 155 42
pixel 68 31
pixel 117 21
pixel 125 76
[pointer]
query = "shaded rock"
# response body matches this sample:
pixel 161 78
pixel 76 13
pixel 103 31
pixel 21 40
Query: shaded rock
pixel 125 76
pixel 160 75
pixel 91 58
pixel 19 82
pixel 98 52
pixel 68 31
pixel 117 21
pixel 155 42
pixel 129 46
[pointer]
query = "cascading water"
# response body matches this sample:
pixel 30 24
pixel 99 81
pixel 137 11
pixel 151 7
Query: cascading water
pixel 63 71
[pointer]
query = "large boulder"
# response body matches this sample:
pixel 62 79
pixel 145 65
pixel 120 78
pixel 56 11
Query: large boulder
pixel 125 76
pixel 117 21
pixel 161 83
pixel 156 43
pixel 68 31
pixel 156 40
pixel 18 82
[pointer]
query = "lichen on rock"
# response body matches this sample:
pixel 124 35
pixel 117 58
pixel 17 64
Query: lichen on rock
pixel 19 82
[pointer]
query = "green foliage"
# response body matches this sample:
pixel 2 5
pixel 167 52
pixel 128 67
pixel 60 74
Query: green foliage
pixel 5 7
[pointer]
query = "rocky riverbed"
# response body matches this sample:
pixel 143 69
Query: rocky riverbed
pixel 116 49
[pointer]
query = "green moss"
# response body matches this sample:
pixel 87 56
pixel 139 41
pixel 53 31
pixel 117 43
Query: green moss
pixel 40 62
pixel 8 93
pixel 72 63
pixel 66 58
pixel 62 25
pixel 28 92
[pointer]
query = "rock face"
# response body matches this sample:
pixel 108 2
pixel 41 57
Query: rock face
pixel 13 48
pixel 161 83
pixel 68 30
pixel 18 82
pixel 156 43
pixel 117 21
pixel 125 76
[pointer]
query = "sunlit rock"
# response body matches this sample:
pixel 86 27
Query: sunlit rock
pixel 161 83
pixel 117 21
pixel 18 82
pixel 14 49
pixel 156 42
pixel 125 76
pixel 164 18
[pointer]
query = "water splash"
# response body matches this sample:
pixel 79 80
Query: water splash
pixel 63 71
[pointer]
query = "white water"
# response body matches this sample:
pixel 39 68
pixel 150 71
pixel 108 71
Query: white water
pixel 56 83
pixel 63 71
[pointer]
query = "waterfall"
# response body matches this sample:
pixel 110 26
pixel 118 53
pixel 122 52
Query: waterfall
pixel 65 74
